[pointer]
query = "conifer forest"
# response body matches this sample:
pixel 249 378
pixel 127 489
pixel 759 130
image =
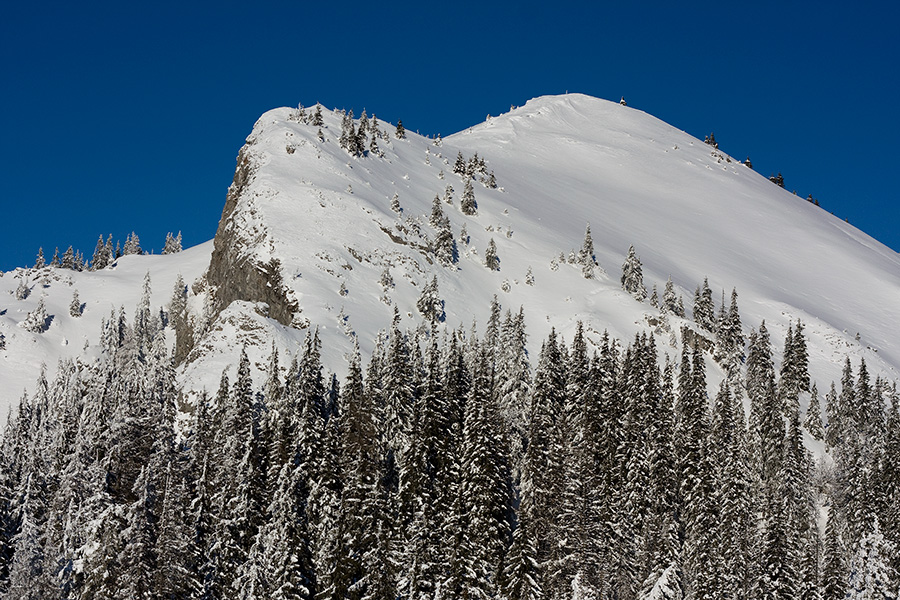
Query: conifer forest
pixel 454 465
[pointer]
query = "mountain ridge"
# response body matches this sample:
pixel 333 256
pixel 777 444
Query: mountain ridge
pixel 561 163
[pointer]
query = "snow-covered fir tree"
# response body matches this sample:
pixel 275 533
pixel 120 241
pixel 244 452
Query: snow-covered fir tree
pixel 871 574
pixel 173 243
pixel 813 421
pixel 632 276
pixel 132 245
pixel 437 212
pixel 467 204
pixel 23 290
pixel 586 257
pixel 491 260
pixel 75 307
pixel 704 308
pixel 429 303
pixel 68 259
pixel 37 320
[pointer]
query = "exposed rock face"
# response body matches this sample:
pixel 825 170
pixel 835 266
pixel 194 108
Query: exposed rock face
pixel 236 272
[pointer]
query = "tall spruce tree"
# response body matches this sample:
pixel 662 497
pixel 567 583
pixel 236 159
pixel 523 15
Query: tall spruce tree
pixel 632 276
pixel 704 309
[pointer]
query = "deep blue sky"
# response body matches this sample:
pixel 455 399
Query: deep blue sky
pixel 128 116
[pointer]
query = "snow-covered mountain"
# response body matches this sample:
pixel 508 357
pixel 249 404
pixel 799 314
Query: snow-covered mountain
pixel 311 236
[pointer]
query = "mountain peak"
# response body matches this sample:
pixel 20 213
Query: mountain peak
pixel 318 233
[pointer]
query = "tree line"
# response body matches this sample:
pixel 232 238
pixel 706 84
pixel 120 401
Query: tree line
pixel 449 467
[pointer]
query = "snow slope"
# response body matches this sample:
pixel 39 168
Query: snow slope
pixel 101 293
pixel 561 162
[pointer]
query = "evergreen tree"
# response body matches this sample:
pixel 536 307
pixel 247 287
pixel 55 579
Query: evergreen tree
pixel 443 245
pixel 239 483
pixel 522 574
pixel 813 422
pixel 491 260
pixel 871 574
pixel 347 131
pixel 734 487
pixel 887 477
pixel 485 488
pixel 834 568
pixel 22 289
pixel 429 303
pixel 283 557
pixel 760 377
pixel 75 306
pixel 39 262
pixel 400 133
pixel 730 339
pixel 68 259
pixel 669 300
pixel 832 409
pixel 29 560
pixel 36 321
pixel 448 194
pixel 794 369
pixel 178 317
pixel 467 205
pixel 360 476
pixel 704 309
pixel 176 555
pixel 101 257
pixel 317 120
pixel 437 212
pixel 386 280
pixel 586 257
pixel 514 383
pixel 632 277
pixel 132 245
pixel 546 403
pixel 459 167
pixel 173 243
pixel 699 514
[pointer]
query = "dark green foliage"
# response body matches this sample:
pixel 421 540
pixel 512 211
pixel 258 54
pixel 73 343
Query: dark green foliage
pixel 730 339
pixel 670 303
pixel 813 421
pixel 704 309
pixel 632 277
pixel 449 472
pixel 430 304
pixel 491 260
pixel 467 204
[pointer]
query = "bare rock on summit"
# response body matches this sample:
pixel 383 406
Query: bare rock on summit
pixel 235 272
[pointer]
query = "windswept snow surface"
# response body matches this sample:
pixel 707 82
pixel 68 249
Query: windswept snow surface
pixel 561 163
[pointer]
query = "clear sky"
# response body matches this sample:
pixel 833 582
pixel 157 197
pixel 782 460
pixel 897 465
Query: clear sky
pixel 129 115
